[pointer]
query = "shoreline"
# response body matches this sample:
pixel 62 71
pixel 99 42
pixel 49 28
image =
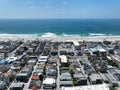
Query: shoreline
pixel 63 39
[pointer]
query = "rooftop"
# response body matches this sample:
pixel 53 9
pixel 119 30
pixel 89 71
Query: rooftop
pixel 88 87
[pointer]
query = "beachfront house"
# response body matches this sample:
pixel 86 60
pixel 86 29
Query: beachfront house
pixel 76 45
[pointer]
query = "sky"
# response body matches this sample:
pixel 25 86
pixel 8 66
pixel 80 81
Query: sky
pixel 59 9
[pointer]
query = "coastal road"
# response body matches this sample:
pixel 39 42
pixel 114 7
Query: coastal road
pixel 58 78
pixel 27 84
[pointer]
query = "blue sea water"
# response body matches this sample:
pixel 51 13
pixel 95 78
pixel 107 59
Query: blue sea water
pixel 60 27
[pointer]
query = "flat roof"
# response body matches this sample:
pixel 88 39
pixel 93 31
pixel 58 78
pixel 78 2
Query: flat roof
pixel 66 82
pixel 79 75
pixel 21 74
pixel 11 58
pixel 93 49
pixel 76 43
pixel 63 58
pixel 88 87
pixel 94 77
pixel 16 85
pixel 43 56
pixel 1 46
pixel 31 61
pixel 99 48
pixel 49 81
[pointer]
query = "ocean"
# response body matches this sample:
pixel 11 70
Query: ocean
pixel 59 27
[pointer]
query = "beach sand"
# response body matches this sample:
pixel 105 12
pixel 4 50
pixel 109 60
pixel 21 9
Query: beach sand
pixel 62 39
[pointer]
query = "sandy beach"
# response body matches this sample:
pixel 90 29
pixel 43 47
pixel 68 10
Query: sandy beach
pixel 63 39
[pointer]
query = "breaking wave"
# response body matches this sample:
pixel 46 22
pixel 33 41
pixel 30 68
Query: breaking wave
pixel 97 34
pixel 49 34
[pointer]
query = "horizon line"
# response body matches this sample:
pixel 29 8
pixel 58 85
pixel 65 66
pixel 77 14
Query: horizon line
pixel 57 18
